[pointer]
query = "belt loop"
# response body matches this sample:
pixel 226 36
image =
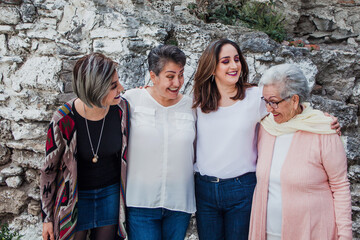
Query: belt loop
pixel 216 181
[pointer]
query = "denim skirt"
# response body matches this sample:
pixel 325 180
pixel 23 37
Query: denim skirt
pixel 98 207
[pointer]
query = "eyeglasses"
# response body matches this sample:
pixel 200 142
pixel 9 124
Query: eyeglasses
pixel 274 105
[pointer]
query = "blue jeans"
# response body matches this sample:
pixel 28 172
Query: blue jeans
pixel 223 208
pixel 156 224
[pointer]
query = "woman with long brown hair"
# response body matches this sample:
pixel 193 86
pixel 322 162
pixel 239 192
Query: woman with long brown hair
pixel 229 109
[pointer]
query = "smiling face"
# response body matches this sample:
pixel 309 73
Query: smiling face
pixel 286 109
pixel 168 83
pixel 113 96
pixel 228 69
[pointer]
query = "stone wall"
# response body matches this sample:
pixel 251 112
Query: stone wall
pixel 323 21
pixel 41 39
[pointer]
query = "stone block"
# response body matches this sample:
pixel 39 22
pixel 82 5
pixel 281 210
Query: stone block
pixel 34 208
pixel 66 21
pixel 37 72
pixel 107 33
pixel 28 13
pixel 354 173
pixel 4 154
pixel 115 20
pixel 68 65
pixel 5 130
pixel 346 113
pixel 3 45
pixel 31 176
pixel 12 201
pixel 49 34
pixel 14 182
pixel 48 22
pixel 46 48
pixel 325 25
pixel 36 146
pixel 64 97
pixel 109 46
pixel 23 130
pixel 10 59
pixel 12 170
pixel 13 2
pixel 257 42
pixel 279 59
pixel 352 148
pixel 25 26
pixel 67 51
pixel 9 15
pixel 28 159
pixel 28 226
pixel 352 42
pixel 34 191
pixel 56 13
pixel 2 180
pixel 68 87
pixel 317 34
pixel 6 29
pixel 19 45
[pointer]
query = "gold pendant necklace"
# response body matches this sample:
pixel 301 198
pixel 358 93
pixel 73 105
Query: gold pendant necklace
pixel 95 159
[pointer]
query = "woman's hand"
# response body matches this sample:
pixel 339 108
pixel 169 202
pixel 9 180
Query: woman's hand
pixel 335 124
pixel 48 231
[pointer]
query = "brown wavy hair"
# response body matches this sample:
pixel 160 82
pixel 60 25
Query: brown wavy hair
pixel 206 93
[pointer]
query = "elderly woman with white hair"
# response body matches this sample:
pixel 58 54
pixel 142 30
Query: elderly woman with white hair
pixel 302 189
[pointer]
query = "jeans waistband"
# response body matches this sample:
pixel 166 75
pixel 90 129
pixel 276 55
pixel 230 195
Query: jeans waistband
pixel 216 179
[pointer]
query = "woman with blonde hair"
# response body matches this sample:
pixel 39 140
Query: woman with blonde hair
pixel 83 178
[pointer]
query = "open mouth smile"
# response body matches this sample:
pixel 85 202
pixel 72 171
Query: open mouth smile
pixel 232 73
pixel 174 90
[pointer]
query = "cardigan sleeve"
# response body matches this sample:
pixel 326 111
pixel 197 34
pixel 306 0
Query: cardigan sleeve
pixel 335 164
pixel 55 145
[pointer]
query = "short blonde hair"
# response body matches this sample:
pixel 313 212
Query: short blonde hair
pixel 92 76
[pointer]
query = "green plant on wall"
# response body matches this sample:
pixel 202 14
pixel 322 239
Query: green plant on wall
pixel 227 13
pixel 261 16
pixel 7 234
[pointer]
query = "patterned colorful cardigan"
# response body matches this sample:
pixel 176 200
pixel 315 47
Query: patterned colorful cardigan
pixel 58 178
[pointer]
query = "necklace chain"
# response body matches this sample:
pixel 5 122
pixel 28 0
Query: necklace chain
pixel 96 157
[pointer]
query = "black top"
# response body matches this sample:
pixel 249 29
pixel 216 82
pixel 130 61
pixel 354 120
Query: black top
pixel 107 170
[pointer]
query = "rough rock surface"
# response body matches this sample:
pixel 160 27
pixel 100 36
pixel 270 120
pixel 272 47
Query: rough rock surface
pixel 41 40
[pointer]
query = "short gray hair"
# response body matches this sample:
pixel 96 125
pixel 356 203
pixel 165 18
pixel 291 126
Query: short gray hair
pixel 92 76
pixel 162 54
pixel 290 80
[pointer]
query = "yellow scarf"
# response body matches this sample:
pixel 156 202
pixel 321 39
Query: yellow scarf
pixel 310 120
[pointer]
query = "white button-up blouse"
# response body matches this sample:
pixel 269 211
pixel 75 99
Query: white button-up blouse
pixel 160 153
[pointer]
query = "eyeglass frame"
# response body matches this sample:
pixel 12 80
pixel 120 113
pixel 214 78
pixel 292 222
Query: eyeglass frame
pixel 274 105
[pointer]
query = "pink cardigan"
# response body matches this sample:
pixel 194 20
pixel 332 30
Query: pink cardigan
pixel 316 202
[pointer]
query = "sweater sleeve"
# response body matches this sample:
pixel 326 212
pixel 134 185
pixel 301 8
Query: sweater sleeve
pixel 335 164
pixel 54 150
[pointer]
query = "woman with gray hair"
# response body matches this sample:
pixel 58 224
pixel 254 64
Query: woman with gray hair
pixel 160 191
pixel 302 189
pixel 83 179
